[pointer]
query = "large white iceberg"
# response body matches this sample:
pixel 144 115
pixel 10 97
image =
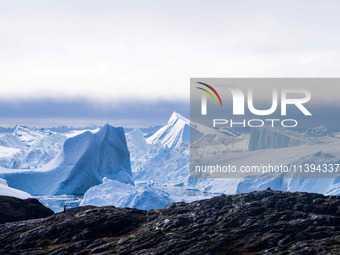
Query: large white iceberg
pixel 119 194
pixel 174 133
pixel 164 160
pixel 82 163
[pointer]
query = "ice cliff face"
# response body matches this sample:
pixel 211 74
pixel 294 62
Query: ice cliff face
pixel 82 163
pixel 265 138
pixel 103 154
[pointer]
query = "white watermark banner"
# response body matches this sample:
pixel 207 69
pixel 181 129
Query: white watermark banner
pixel 264 127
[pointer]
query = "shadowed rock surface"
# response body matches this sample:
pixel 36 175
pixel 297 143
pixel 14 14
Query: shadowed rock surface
pixel 264 222
pixel 15 209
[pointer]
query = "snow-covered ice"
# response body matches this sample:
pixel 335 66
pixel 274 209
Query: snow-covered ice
pixel 37 146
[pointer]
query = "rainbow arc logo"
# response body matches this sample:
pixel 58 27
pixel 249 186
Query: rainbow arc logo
pixel 209 93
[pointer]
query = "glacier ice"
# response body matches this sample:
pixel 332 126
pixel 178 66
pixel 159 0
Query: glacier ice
pixel 11 141
pixel 6 155
pixel 320 131
pixel 266 138
pixel 137 143
pixel 82 163
pixel 303 154
pixel 156 163
pixel 174 133
pixel 8 191
pixel 37 146
pixel 119 194
pixel 97 163
pixel 162 166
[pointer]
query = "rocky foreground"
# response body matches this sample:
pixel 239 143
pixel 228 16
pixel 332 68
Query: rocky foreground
pixel 15 209
pixel 265 222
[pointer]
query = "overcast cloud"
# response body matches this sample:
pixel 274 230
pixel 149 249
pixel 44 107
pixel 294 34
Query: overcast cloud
pixel 116 52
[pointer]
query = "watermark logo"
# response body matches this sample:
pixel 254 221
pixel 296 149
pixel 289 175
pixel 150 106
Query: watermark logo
pixel 243 99
pixel 204 97
pixel 264 128
pixel 239 100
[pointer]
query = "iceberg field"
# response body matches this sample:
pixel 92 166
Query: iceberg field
pixel 107 166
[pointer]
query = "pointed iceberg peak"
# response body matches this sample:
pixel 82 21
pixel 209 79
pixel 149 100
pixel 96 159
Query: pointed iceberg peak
pixel 105 127
pixel 172 134
pixel 136 132
pixel 176 116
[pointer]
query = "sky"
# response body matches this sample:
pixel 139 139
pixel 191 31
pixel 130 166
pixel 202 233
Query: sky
pixel 129 63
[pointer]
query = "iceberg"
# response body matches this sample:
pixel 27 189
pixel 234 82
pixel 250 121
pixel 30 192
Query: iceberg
pixel 164 157
pixel 300 155
pixel 174 133
pixel 320 131
pixel 37 146
pixel 11 141
pixel 119 194
pixel 83 162
pixel 136 143
pixel 8 191
pixel 6 156
pixel 162 166
pixel 265 138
